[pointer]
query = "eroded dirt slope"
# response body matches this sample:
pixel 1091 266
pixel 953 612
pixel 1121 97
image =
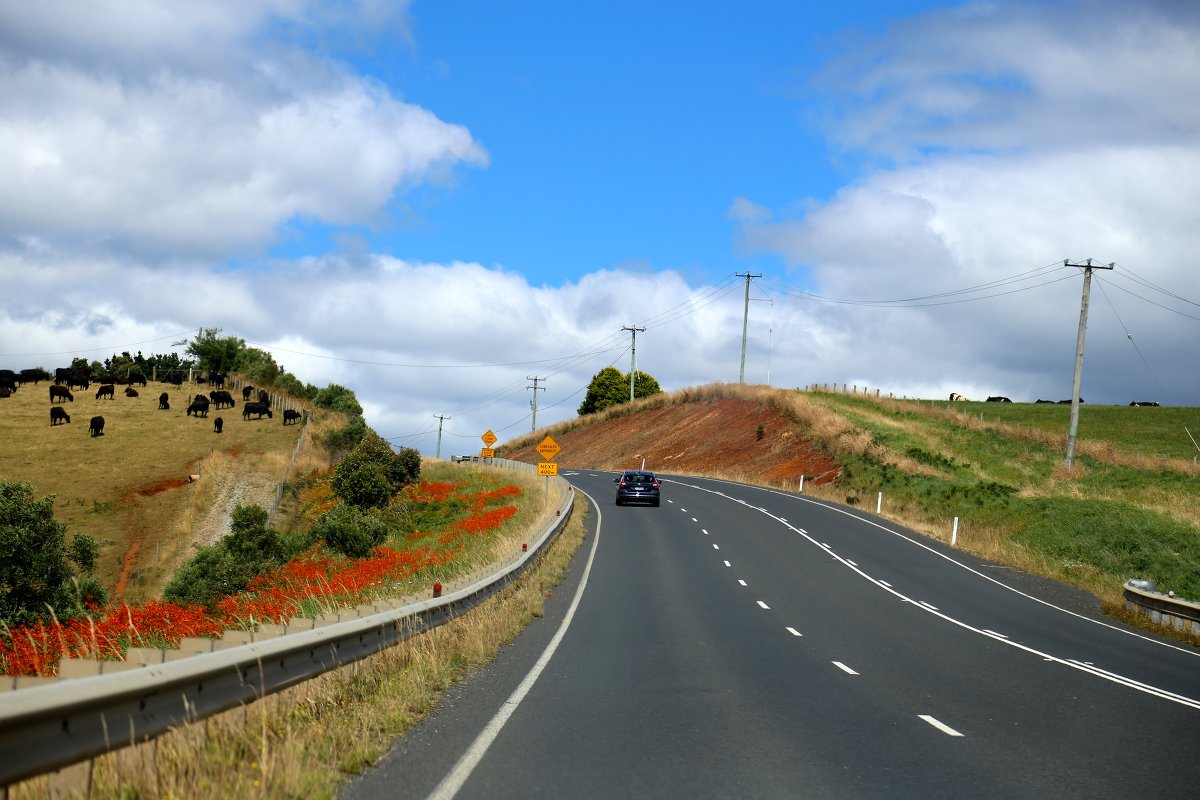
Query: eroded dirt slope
pixel 719 437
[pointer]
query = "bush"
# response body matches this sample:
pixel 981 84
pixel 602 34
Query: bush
pixel 349 531
pixel 225 568
pixel 36 573
pixel 372 472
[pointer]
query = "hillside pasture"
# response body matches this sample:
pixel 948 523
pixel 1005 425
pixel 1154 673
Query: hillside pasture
pixel 132 487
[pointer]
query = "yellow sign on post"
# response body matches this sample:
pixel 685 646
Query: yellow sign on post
pixel 487 452
pixel 548 449
pixel 489 438
pixel 548 468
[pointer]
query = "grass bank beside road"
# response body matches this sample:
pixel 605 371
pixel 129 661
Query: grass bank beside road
pixel 1127 509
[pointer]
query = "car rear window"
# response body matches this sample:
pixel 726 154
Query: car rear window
pixel 639 478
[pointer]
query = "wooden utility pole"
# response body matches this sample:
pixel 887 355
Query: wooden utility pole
pixel 441 419
pixel 533 402
pixel 745 323
pixel 632 356
pixel 1073 429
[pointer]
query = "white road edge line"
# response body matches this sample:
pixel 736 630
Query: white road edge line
pixel 844 668
pixel 466 764
pixel 946 729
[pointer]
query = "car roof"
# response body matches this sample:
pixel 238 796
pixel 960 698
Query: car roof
pixel 645 472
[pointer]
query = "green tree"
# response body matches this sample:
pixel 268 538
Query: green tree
pixel 338 398
pixel 258 366
pixel 610 387
pixel 39 569
pixel 214 352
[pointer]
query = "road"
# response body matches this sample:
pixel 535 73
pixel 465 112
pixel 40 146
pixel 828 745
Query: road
pixel 740 642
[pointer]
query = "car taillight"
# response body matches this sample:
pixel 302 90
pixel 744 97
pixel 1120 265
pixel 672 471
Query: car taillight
pixel 655 486
pixel 622 483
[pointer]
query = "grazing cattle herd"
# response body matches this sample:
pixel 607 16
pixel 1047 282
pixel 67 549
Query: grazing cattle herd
pixel 257 402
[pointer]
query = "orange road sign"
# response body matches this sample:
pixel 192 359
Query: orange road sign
pixel 487 452
pixel 548 449
pixel 489 438
pixel 548 468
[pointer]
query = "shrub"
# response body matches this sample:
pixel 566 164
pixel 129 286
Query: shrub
pixel 349 531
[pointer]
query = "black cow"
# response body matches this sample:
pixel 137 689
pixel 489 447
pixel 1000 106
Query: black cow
pixel 264 398
pixel 1044 401
pixel 199 406
pixel 97 426
pixel 221 399
pixel 58 414
pixel 218 423
pixel 130 391
pixel 163 403
pixel 137 378
pixel 998 399
pixel 1145 403
pixel 61 393
pixel 246 392
pixel 290 416
pixel 5 392
pixel 217 379
pixel 256 408
pixel 107 390
pixel 174 377
pixel 79 378
pixel 8 373
pixel 8 383
pixel 1068 402
pixel 32 376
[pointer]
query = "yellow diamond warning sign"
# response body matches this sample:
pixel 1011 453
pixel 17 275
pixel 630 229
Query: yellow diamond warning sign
pixel 489 438
pixel 548 449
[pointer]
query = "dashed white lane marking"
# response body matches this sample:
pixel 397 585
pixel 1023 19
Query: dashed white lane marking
pixel 844 668
pixel 716 546
pixel 684 510
pixel 742 582
pixel 794 632
pixel 728 564
pixel 941 726
pixel 695 520
pixel 705 531
pixel 930 606
pixel 761 604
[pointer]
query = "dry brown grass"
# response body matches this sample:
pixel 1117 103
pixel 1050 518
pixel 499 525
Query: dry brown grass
pixel 304 741
pixel 129 488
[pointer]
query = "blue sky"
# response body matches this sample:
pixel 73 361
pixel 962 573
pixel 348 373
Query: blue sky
pixel 432 202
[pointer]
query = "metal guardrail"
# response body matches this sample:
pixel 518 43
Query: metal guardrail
pixel 1165 609
pixel 53 725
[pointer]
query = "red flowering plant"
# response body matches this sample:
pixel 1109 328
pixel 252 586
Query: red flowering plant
pixel 457 522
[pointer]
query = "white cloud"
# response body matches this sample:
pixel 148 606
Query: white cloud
pixel 196 130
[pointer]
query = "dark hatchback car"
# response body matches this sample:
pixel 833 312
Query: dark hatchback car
pixel 637 486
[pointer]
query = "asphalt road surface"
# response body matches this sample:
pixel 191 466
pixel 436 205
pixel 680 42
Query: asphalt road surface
pixel 741 642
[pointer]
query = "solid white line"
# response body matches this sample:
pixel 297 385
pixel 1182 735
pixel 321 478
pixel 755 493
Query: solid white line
pixel 930 606
pixel 794 632
pixel 742 582
pixel 993 633
pixel 844 668
pixel 946 729
pixel 885 583
pixel 462 770
pixel 761 604
pixel 851 563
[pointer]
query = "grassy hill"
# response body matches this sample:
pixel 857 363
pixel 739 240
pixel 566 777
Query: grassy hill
pixel 131 488
pixel 1128 508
